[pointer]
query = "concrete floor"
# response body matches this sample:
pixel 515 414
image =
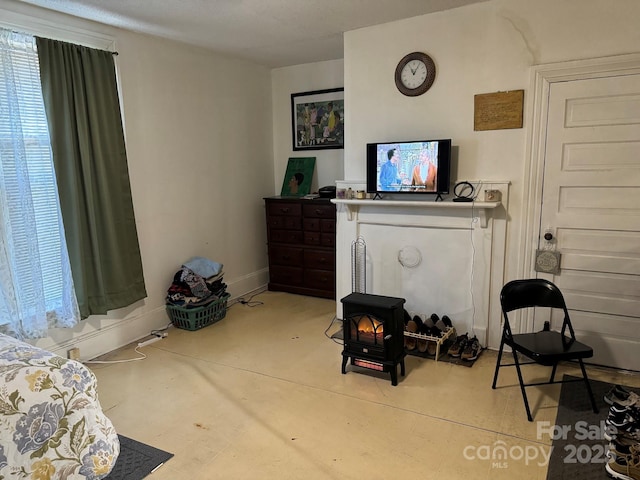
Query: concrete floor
pixel 259 395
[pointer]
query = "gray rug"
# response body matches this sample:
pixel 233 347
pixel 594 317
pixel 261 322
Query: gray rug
pixel 136 460
pixel 580 454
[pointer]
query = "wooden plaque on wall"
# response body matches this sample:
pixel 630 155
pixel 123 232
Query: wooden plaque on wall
pixel 497 111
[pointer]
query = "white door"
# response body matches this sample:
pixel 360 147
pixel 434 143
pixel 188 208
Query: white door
pixel 591 204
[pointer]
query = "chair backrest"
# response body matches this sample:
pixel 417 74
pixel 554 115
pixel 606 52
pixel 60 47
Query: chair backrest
pixel 533 292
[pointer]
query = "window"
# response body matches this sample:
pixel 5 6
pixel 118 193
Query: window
pixel 35 277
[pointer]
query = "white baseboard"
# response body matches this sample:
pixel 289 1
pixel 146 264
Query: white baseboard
pixel 104 336
pixel 481 333
pixel 110 337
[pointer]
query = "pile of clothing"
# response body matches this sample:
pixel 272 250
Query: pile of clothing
pixel 198 283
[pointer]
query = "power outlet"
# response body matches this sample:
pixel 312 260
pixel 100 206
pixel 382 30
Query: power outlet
pixel 73 353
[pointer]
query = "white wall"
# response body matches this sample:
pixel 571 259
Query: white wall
pixel 204 132
pixel 298 79
pixel 200 146
pixel 482 48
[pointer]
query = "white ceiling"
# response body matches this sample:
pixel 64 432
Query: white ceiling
pixel 274 33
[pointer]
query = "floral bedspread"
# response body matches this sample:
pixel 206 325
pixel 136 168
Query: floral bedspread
pixel 51 424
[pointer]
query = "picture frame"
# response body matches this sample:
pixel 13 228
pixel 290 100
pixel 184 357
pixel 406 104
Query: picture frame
pixel 298 177
pixel 317 119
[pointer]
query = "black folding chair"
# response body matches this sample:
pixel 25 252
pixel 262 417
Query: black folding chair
pixel 546 347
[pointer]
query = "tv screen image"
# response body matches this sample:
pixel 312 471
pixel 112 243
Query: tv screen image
pixel 409 167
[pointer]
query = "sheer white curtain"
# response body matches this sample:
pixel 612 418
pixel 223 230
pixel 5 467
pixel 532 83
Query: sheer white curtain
pixel 36 287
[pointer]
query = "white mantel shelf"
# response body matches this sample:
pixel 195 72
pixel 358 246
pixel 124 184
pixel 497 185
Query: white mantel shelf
pixel 482 208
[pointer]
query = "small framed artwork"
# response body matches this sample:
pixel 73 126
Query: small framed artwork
pixel 297 179
pixel 318 119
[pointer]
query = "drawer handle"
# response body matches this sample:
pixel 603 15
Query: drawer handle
pixel 284 210
pixel 318 211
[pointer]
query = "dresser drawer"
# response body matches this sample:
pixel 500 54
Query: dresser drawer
pixel 284 209
pixel 319 211
pixel 328 239
pixel 290 223
pixel 281 255
pixel 285 275
pixel 328 226
pixel 320 259
pixel 312 224
pixel 318 238
pixel 320 279
pixel 312 238
pixel 286 236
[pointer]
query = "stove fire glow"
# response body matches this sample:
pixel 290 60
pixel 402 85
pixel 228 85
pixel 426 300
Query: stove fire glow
pixel 368 329
pixel 370 365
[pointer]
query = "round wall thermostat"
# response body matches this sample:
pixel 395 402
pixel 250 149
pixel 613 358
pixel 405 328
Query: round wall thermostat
pixel 409 257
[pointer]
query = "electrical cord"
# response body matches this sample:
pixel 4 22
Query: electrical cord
pixel 473 258
pixel 330 337
pixel 474 220
pixel 158 332
pixel 249 302
pixel 142 357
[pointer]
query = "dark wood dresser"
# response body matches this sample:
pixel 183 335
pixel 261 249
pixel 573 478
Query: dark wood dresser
pixel 301 235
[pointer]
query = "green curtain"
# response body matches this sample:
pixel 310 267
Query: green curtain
pixel 87 139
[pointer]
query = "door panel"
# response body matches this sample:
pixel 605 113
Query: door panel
pixel 600 251
pixel 591 203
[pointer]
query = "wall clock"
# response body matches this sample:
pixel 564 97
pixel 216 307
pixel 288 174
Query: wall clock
pixel 415 74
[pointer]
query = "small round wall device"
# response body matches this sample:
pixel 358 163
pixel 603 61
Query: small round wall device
pixel 463 192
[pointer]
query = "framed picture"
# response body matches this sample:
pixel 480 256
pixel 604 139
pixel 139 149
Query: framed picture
pixel 318 119
pixel 297 179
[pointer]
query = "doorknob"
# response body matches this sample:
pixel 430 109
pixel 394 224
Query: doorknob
pixel 548 236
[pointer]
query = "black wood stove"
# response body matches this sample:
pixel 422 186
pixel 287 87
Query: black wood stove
pixel 373 330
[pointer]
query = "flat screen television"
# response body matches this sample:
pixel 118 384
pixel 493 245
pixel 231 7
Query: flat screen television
pixel 413 167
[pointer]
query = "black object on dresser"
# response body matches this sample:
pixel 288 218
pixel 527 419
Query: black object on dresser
pixel 301 236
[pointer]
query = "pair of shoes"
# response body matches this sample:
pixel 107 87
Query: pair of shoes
pixel 622 419
pixel 407 317
pixel 427 328
pixel 430 328
pixel 415 325
pixel 459 345
pixel 421 343
pixel 619 409
pixel 436 326
pixel 624 443
pixel 471 350
pixel 412 326
pixel 624 467
pixel 619 394
pixel 433 331
pixel 442 325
